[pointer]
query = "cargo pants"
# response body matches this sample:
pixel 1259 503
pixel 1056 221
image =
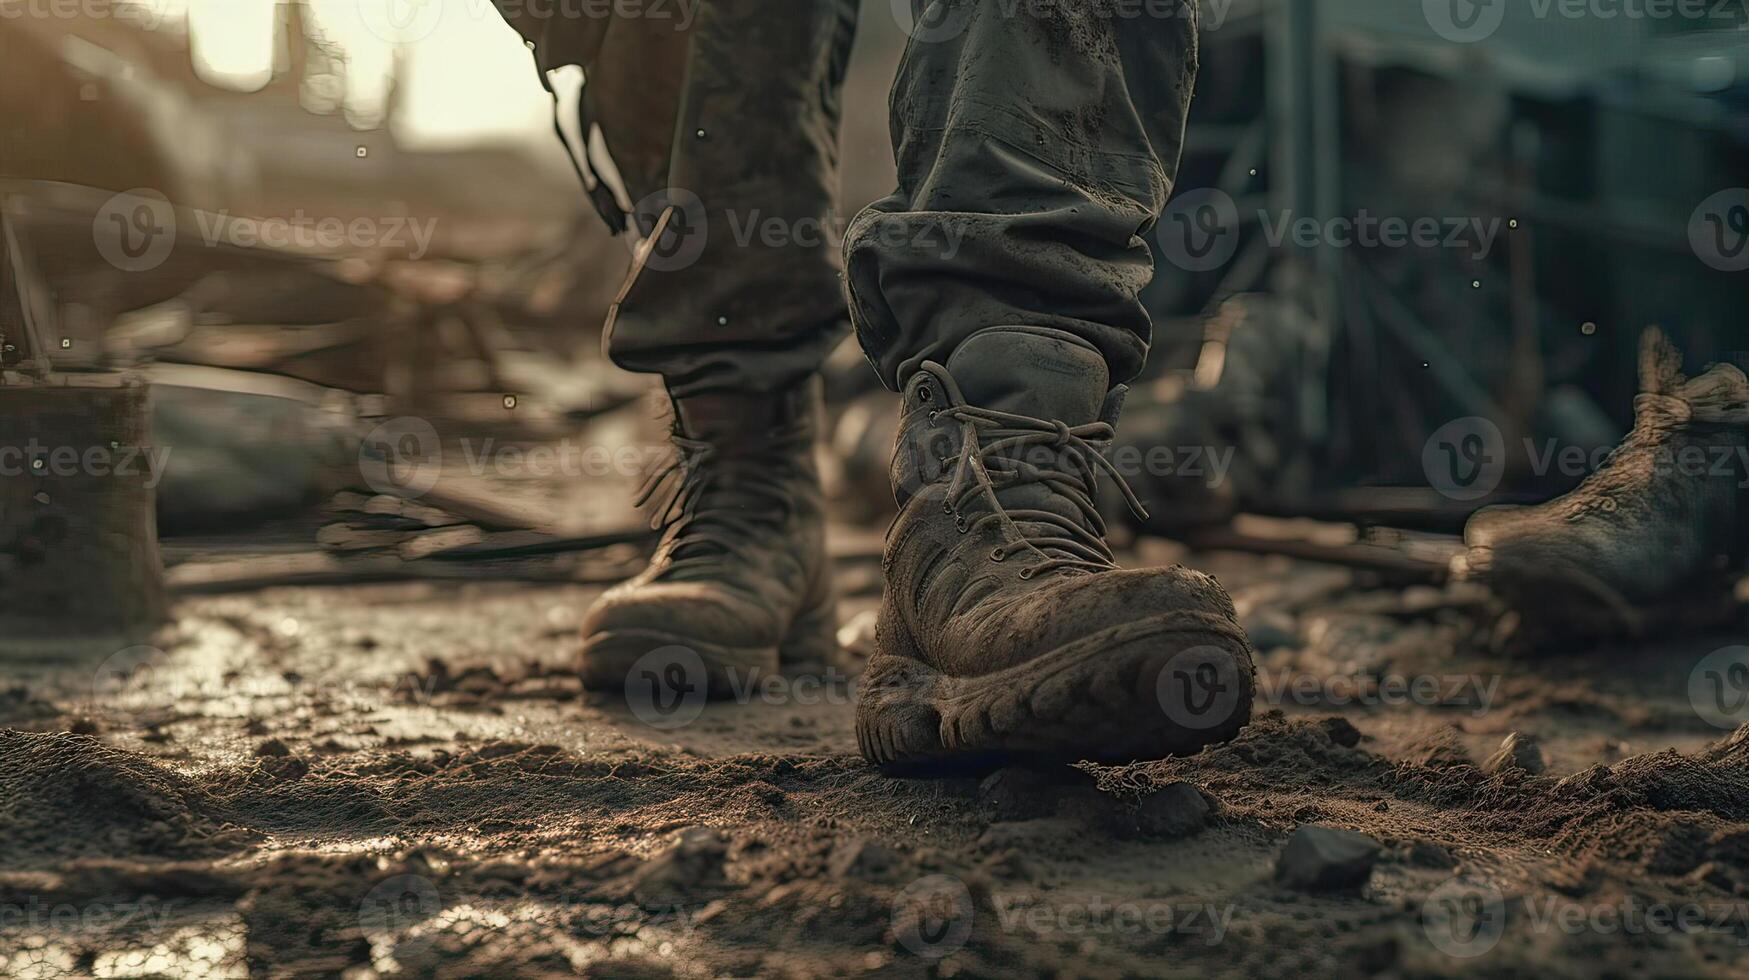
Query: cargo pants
pixel 1036 143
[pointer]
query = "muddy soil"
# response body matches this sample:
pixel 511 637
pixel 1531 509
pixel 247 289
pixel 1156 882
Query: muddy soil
pixel 406 779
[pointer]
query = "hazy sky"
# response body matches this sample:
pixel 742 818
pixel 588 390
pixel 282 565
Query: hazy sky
pixel 468 75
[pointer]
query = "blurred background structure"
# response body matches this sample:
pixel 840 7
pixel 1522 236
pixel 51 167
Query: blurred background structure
pixel 301 221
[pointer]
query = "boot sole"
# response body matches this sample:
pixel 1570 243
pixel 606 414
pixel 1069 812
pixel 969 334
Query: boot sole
pixel 1570 596
pixel 1569 605
pixel 611 657
pixel 1110 697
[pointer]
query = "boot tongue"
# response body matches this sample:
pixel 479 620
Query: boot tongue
pixel 1042 374
pixel 1033 371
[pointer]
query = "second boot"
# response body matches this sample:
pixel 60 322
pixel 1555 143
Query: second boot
pixel 1667 514
pixel 740 580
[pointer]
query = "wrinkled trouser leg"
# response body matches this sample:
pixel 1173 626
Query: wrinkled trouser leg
pixel 746 295
pixel 1036 142
pixel 723 127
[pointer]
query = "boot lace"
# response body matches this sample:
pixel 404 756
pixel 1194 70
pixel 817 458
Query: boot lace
pixel 719 504
pixel 997 454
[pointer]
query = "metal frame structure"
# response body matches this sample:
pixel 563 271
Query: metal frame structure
pixel 1318 56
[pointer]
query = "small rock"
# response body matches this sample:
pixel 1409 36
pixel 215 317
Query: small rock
pixel 1174 811
pixel 1517 751
pixel 1270 629
pixel 1325 859
pixel 273 748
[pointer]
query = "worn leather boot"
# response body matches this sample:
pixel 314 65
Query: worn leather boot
pixel 1008 633
pixel 740 581
pixel 1665 515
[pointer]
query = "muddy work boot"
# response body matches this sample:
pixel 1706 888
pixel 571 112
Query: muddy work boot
pixel 740 581
pixel 1666 515
pixel 1008 634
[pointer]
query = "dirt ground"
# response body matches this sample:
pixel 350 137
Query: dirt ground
pixel 406 778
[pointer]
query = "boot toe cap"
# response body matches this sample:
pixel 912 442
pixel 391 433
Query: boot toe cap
pixel 707 612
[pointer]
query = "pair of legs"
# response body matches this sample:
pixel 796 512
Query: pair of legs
pixel 997 288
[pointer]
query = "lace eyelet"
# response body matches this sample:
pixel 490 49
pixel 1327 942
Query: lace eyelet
pixel 960 523
pixel 1026 573
pixel 930 418
pixel 998 555
pixel 947 507
pixel 925 394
